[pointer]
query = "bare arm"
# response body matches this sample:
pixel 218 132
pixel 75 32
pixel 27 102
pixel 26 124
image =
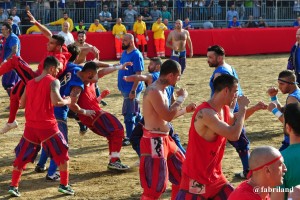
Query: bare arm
pixel 259 106
pixel 134 86
pixel 169 40
pixel 277 195
pixel 46 32
pixel 23 99
pixel 56 99
pixel 147 78
pixel 113 68
pixel 74 95
pixel 14 50
pixel 190 45
pixel 188 109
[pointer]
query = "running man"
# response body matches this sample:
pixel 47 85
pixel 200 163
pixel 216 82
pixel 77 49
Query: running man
pixel 41 129
pixel 176 41
pixel 287 85
pixel 160 158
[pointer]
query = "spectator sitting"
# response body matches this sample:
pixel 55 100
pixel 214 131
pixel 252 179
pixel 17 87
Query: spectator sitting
pixel 96 27
pixel 105 17
pixel 231 13
pixel 250 23
pixel 155 13
pixel 234 23
pixel 80 27
pixel 69 39
pixel 208 24
pixel 62 20
pixel 187 25
pixel 3 16
pixel 165 13
pixel 297 22
pixel 262 23
pixel 166 23
pixel 15 27
pixel 34 29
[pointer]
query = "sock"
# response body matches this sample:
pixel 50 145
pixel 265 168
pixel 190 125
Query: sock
pixel 16 177
pixel 64 177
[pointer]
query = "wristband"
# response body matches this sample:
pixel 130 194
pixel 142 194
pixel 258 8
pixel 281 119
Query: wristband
pixel 180 99
pixel 132 92
pixel 276 112
pixel 274 99
pixel 110 65
pixel 83 111
pixel 118 67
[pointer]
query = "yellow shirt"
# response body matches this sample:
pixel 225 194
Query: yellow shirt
pixel 61 22
pixel 139 27
pixel 119 30
pixel 94 28
pixel 159 30
pixel 33 28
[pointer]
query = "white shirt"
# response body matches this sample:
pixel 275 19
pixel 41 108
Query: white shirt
pixel 69 39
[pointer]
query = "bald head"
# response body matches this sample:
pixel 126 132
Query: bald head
pixel 262 155
pixel 129 36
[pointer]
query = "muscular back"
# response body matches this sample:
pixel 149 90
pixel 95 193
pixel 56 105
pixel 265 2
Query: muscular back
pixel 155 101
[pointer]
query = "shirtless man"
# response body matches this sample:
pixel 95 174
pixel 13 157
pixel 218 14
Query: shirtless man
pixel 176 41
pixel 211 125
pixel 159 153
pixel 85 48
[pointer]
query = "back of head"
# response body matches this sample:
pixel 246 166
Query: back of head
pixel 60 40
pixel 50 61
pixel 156 60
pixel 224 81
pixel 170 66
pixel 89 66
pixel 292 117
pixel 218 50
pixel 288 74
pixel 262 155
pixel 74 50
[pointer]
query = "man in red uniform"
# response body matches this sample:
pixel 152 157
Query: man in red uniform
pixel 212 123
pixel 81 89
pixel 160 157
pixel 54 48
pixel 42 93
pixel 266 170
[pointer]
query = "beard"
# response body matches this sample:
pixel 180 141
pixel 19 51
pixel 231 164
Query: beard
pixel 125 47
pixel 213 64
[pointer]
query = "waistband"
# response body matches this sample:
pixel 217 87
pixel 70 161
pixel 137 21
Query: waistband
pixel 151 133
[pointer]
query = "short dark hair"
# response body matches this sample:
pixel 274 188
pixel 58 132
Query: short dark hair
pixel 8 26
pixel 65 13
pixel 11 18
pixel 89 66
pixel 74 50
pixel 81 32
pixel 50 61
pixel 156 60
pixel 288 74
pixel 292 117
pixel 223 81
pixel 170 66
pixel 60 40
pixel 217 49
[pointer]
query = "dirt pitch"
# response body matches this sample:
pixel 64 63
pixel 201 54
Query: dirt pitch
pixel 89 154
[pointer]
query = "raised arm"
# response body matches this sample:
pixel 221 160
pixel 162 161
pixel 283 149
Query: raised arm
pixel 45 31
pixel 147 78
pixel 110 69
pixel 56 99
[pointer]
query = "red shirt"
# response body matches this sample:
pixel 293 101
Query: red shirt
pixel 62 57
pixel 245 191
pixel 39 111
pixel 88 101
pixel 203 158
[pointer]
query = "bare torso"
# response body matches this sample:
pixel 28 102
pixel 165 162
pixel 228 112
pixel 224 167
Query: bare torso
pixel 153 121
pixel 82 55
pixel 179 40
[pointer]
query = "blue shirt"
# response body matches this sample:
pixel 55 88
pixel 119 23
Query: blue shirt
pixel 232 24
pixel 295 94
pixel 136 58
pixel 68 80
pixel 225 70
pixel 11 41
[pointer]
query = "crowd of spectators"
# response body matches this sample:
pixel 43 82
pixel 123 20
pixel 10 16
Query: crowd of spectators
pixel 103 13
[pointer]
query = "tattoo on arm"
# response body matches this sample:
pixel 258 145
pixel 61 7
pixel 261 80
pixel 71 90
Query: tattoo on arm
pixel 199 116
pixel 55 85
pixel 14 50
pixel 75 92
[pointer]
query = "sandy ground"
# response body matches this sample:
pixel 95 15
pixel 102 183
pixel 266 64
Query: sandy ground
pixel 89 153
